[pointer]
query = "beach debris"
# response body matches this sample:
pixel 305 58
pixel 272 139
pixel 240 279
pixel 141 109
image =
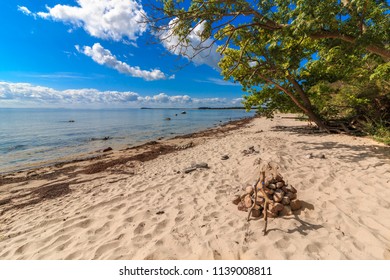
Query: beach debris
pixel 195 166
pixel 225 157
pixel 270 195
pixel 310 156
pixel 251 150
pixel 107 149
pixel 160 212
pixel 201 165
pixel 189 169
pixel 185 146
pixel 167 119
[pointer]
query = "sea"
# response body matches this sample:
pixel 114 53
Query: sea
pixel 37 137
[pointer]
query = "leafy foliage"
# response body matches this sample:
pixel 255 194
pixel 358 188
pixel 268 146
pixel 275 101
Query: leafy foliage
pixel 327 59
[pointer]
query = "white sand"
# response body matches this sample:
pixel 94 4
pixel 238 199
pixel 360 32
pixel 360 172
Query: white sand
pixel 113 214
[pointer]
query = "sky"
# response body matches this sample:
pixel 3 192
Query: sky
pixel 100 54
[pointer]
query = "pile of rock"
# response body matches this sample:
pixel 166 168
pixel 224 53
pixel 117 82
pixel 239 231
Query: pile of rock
pixel 282 197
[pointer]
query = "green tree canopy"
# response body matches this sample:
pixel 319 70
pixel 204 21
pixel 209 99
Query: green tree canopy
pixel 315 56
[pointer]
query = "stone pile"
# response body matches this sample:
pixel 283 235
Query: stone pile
pixel 282 198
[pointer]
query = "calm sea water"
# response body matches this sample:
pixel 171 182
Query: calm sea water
pixel 37 136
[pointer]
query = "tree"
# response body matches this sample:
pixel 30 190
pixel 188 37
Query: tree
pixel 276 49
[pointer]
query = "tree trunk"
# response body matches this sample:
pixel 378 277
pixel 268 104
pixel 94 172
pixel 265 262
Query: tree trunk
pixel 308 110
pixel 379 50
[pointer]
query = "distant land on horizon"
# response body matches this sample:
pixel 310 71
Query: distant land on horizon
pixel 199 108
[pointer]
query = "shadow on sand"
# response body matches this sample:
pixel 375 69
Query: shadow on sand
pixel 303 227
pixel 351 153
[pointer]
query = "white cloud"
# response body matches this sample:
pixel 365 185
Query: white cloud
pixel 163 98
pixel 28 93
pixel 25 11
pixel 105 19
pixel 25 94
pixel 197 50
pixel 237 100
pixel 105 57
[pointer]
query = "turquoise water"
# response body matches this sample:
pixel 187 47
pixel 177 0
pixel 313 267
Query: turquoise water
pixel 34 136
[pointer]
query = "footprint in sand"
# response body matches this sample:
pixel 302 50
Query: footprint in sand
pixel 140 228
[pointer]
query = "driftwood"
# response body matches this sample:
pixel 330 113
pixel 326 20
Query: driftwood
pixel 271 168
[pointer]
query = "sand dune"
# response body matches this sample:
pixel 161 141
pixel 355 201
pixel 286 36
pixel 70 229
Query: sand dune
pixel 151 209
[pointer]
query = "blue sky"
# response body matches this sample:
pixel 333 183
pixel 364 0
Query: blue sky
pixel 86 53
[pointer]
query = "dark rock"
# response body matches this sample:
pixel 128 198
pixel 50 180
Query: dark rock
pixel 241 206
pixel 256 212
pixel 291 196
pixel 271 214
pixel 160 212
pixel 167 119
pixel 225 157
pixel 236 199
pixel 107 149
pixel 278 178
pixel 276 207
pixel 71 121
pixel 289 188
pixel 272 186
pixel 286 211
pixel 268 191
pixel 184 112
pixel 285 200
pixel 278 197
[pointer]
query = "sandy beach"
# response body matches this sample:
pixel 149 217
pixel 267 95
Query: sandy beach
pixel 139 203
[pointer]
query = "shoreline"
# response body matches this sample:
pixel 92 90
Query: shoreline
pixel 140 203
pixel 151 149
pixel 29 167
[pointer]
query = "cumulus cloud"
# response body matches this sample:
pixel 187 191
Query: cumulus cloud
pixel 104 19
pixel 25 94
pixel 163 98
pixel 197 50
pixel 28 93
pixel 104 57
